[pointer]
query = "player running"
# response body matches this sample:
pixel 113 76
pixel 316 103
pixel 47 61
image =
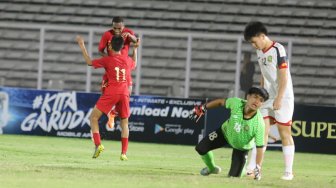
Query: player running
pixel 276 79
pixel 118 28
pixel 244 129
pixel 116 94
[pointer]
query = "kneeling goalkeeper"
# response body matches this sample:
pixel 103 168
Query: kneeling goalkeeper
pixel 241 131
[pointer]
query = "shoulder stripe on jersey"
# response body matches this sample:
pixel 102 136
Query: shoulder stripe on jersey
pixel 281 61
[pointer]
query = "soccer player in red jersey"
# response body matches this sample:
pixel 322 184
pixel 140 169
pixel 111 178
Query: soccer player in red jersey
pixel 116 95
pixel 112 114
pixel 118 28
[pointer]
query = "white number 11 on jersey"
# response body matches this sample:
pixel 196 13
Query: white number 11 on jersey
pixel 123 72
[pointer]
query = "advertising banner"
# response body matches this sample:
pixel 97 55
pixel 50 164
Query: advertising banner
pixel 41 112
pixel 67 113
pixel 161 120
pixel 313 128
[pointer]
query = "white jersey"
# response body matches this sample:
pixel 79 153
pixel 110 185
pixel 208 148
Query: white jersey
pixel 270 61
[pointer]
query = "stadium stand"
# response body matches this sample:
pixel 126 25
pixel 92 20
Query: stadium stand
pixel 311 24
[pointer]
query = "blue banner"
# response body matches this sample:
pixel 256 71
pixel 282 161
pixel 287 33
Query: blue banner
pixel 43 112
pixel 40 112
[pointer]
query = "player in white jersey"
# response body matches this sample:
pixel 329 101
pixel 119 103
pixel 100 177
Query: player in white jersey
pixel 276 79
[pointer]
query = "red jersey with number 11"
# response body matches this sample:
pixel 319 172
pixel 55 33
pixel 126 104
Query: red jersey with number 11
pixel 118 70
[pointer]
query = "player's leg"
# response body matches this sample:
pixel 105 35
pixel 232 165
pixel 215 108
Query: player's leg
pixel 110 116
pixel 124 138
pixel 103 105
pixel 283 118
pixel 204 148
pixel 238 161
pixel 113 113
pixel 94 118
pixel 123 109
pixel 288 149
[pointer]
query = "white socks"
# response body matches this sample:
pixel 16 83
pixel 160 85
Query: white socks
pixel 288 152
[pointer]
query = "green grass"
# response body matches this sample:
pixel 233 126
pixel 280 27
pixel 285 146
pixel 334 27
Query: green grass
pixel 32 161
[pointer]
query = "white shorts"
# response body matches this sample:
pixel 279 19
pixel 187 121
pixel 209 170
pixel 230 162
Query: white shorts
pixel 283 116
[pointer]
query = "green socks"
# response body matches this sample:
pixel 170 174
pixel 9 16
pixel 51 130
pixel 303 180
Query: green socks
pixel 209 161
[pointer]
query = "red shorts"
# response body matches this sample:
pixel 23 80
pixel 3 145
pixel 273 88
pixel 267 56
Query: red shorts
pixel 120 102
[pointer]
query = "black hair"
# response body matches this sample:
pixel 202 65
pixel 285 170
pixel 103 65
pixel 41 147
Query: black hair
pixel 259 91
pixel 253 29
pixel 117 19
pixel 117 43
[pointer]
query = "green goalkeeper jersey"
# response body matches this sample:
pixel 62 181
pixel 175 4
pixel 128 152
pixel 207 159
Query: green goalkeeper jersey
pixel 242 133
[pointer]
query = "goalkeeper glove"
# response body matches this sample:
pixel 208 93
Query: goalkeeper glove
pixel 257 173
pixel 197 112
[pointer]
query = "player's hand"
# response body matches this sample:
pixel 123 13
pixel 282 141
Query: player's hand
pixel 109 45
pixel 257 173
pixel 197 113
pixel 80 40
pixel 137 43
pixel 125 35
pixel 277 104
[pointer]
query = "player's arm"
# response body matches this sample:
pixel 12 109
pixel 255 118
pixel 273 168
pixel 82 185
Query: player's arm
pixel 282 82
pixel 102 53
pixel 262 81
pixel 200 110
pixel 260 155
pixel 260 143
pixel 102 45
pixel 215 103
pixel 135 51
pixel 132 37
pixel 129 34
pixel 81 44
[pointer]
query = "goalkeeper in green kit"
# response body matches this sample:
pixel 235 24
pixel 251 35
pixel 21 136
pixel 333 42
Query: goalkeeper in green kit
pixel 241 131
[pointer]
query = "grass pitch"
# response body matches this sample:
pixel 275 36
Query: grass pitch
pixel 33 161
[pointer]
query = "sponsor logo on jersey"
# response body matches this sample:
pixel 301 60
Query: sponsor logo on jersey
pixel 237 127
pixel 269 58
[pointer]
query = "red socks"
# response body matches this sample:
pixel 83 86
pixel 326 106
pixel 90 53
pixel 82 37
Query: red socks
pixel 124 145
pixel 124 142
pixel 96 138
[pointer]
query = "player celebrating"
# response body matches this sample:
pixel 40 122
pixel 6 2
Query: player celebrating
pixel 276 79
pixel 116 95
pixel 118 28
pixel 244 127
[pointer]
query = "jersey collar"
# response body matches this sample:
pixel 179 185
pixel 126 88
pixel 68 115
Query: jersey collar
pixel 264 51
pixel 244 113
